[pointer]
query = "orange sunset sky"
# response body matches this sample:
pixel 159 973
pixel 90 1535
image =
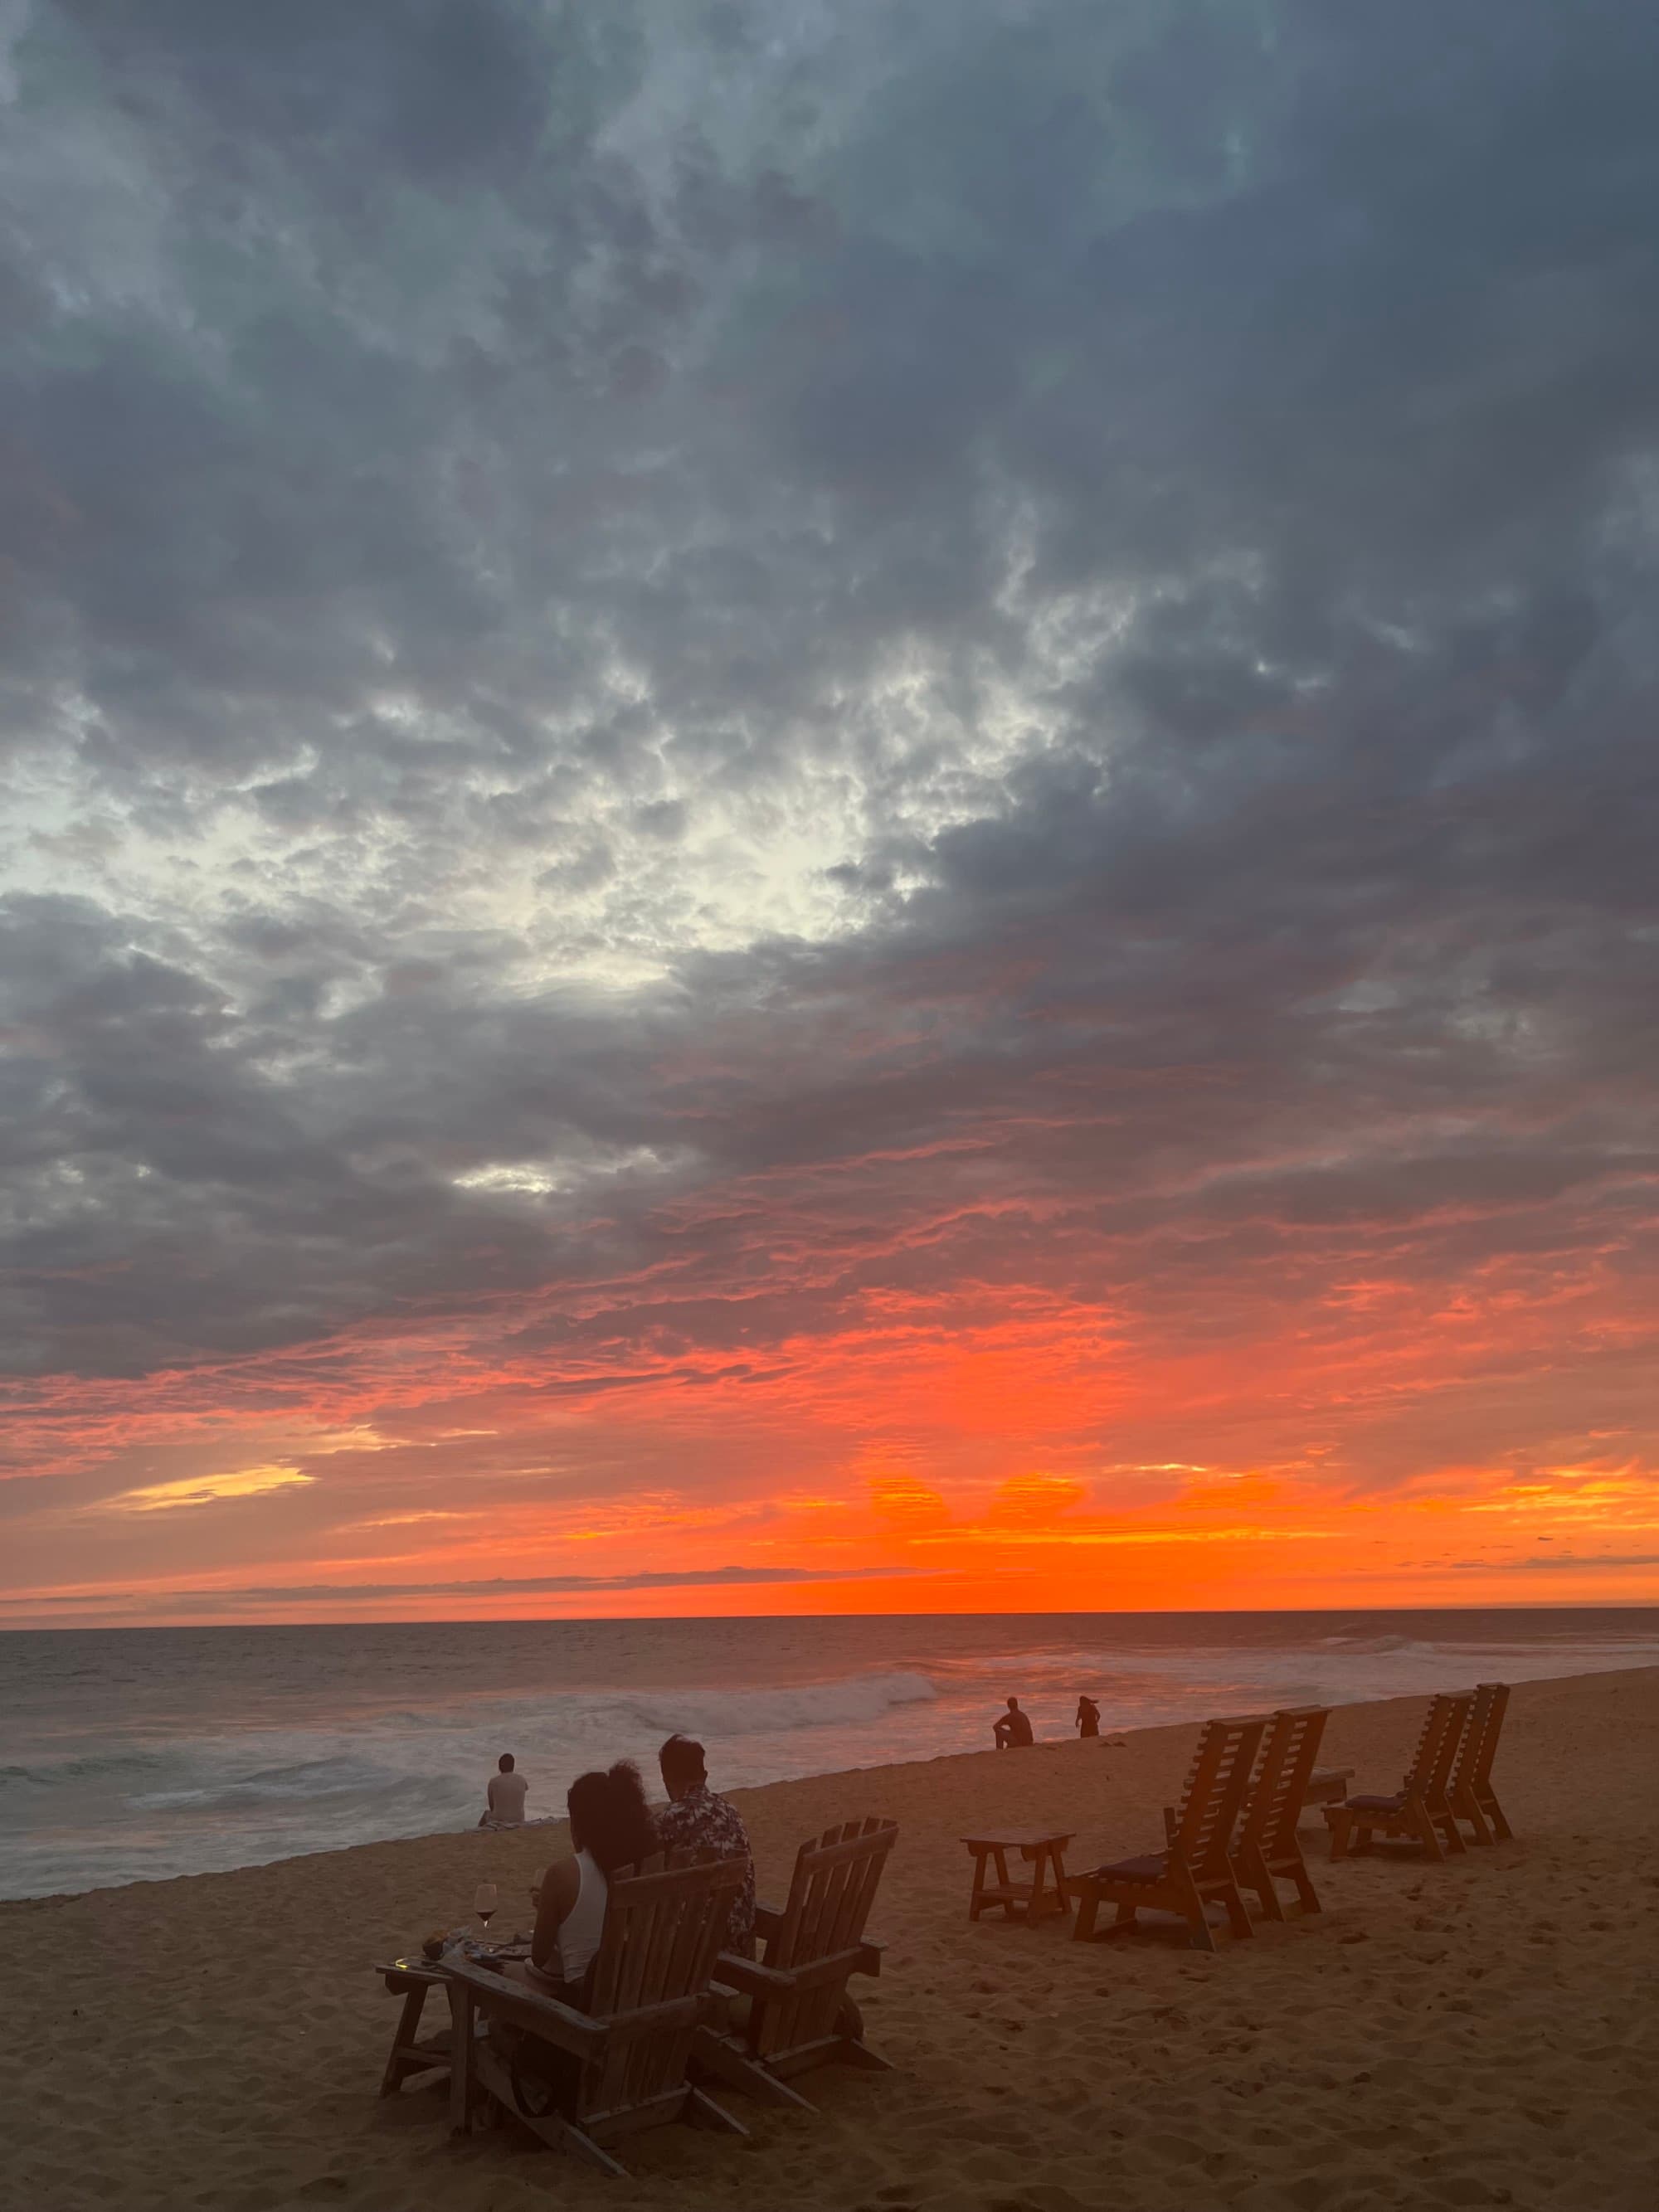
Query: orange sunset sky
pixel 828 815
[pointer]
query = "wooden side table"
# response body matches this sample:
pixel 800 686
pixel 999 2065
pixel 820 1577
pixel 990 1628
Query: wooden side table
pixel 410 1979
pixel 1044 1895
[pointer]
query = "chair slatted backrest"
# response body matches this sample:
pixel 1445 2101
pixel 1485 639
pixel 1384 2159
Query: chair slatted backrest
pixel 664 1921
pixel 1437 1747
pixel 1479 1745
pixel 830 1894
pixel 1214 1789
pixel 1283 1771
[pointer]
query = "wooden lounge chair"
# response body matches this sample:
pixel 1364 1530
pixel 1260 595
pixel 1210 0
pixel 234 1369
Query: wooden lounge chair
pixel 624 2063
pixel 1267 1851
pixel 1473 1798
pixel 1196 1867
pixel 800 2014
pixel 1327 1785
pixel 1418 1811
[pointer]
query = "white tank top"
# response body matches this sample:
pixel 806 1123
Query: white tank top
pixel 580 1929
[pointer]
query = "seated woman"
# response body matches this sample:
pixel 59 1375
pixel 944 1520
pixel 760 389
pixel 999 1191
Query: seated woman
pixel 610 1827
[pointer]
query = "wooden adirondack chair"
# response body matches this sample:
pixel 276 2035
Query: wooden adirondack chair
pixel 1418 1811
pixel 1194 1868
pixel 799 2014
pixel 1473 1798
pixel 1268 1851
pixel 624 2060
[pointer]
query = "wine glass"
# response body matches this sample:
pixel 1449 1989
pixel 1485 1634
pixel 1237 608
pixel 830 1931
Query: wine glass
pixel 483 1902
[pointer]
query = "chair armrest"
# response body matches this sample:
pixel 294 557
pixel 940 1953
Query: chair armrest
pixel 757 1981
pixel 574 2032
pixel 747 1978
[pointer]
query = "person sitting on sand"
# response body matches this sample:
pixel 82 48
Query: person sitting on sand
pixel 504 1799
pixel 695 1817
pixel 610 1827
pixel 1013 1728
pixel 1088 1716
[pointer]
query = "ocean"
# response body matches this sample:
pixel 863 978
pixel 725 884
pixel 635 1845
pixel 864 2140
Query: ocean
pixel 136 1754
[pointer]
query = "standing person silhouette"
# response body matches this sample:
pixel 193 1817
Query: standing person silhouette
pixel 1011 1728
pixel 1088 1716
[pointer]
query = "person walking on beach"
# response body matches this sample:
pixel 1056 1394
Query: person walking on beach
pixel 1088 1716
pixel 1012 1729
pixel 695 1817
pixel 504 1799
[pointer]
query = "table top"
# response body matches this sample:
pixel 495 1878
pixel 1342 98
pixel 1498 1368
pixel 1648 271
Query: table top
pixel 418 1967
pixel 1018 1840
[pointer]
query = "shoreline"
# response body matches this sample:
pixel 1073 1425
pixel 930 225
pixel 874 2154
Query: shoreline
pixel 235 2030
pixel 137 1857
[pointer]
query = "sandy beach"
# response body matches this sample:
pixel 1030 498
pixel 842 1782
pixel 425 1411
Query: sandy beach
pixel 1481 2032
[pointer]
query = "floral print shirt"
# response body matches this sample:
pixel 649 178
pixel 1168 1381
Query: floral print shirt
pixel 701 1821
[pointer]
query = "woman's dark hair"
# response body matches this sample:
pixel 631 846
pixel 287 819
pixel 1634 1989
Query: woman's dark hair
pixel 609 1815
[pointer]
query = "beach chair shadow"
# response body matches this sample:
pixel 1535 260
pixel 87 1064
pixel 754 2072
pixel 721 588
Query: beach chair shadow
pixel 1268 1851
pixel 1195 1869
pixel 1471 1796
pixel 798 2015
pixel 583 2081
pixel 1419 1812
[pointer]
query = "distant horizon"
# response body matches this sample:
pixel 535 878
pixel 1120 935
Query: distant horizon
pixel 668 1619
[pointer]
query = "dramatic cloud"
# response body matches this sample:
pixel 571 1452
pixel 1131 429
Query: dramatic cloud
pixel 771 768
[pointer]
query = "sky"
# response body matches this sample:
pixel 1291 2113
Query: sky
pixel 827 807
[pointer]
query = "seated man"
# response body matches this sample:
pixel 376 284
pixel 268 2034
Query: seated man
pixel 1011 1728
pixel 695 1819
pixel 504 1799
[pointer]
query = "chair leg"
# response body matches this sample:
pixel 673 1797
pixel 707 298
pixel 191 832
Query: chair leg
pixel 1084 1926
pixel 1425 1834
pixel 409 2027
pixel 852 2053
pixel 462 2059
pixel 1468 1810
pixel 1255 1873
pixel 1188 1898
pixel 1123 1922
pixel 1304 1888
pixel 703 2113
pixel 717 2056
pixel 1495 1814
pixel 1238 1917
pixel 1341 1832
pixel 565 2134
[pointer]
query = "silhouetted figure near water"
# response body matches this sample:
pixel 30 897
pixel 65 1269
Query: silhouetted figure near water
pixel 1012 1729
pixel 504 1799
pixel 1088 1716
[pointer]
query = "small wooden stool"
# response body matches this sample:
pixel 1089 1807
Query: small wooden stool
pixel 411 1979
pixel 1038 1899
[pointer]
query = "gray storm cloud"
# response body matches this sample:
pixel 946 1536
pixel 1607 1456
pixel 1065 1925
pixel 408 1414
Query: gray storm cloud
pixel 606 606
